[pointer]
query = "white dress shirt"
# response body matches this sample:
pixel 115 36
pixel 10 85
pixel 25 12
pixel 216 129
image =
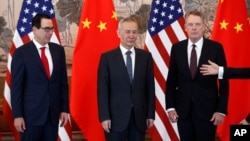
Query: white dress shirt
pixel 47 53
pixel 124 50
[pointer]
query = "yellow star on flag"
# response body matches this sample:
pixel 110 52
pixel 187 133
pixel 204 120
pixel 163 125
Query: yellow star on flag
pixel 238 27
pixel 114 15
pixel 86 23
pixel 102 26
pixel 223 24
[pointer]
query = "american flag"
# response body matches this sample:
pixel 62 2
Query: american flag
pixel 165 27
pixel 23 34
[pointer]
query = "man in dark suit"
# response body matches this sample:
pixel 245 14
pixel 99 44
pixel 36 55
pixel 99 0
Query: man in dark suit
pixel 39 98
pixel 192 100
pixel 227 73
pixel 126 99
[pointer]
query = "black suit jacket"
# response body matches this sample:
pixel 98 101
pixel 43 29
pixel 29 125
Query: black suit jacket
pixel 33 95
pixel 117 96
pixel 202 91
pixel 236 73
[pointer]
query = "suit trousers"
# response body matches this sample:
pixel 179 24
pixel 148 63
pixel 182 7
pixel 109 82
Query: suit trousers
pixel 46 132
pixel 131 133
pixel 193 129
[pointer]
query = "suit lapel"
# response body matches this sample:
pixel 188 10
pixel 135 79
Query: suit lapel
pixel 118 56
pixel 205 49
pixel 184 56
pixel 137 67
pixel 34 52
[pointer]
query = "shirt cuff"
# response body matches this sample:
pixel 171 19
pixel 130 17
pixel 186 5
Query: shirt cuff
pixel 170 109
pixel 221 72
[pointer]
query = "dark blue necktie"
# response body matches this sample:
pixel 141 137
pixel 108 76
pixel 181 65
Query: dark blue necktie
pixel 129 64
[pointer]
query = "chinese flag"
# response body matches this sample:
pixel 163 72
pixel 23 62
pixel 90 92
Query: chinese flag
pixel 96 34
pixel 232 29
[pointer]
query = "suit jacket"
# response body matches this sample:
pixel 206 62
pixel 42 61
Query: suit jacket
pixel 248 118
pixel 33 96
pixel 117 96
pixel 242 73
pixel 202 92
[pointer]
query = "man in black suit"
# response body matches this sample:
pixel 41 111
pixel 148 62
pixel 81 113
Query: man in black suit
pixel 126 99
pixel 39 97
pixel 192 100
pixel 227 73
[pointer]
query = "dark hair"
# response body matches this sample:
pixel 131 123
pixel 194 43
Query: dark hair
pixel 36 21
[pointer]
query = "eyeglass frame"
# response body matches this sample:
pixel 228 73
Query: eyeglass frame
pixel 47 29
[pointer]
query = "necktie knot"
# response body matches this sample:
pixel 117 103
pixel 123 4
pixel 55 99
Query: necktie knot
pixel 193 46
pixel 128 53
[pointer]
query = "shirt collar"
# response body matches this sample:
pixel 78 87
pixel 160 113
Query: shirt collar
pixel 199 43
pixel 38 45
pixel 124 50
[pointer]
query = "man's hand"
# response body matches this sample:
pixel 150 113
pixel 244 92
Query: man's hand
pixel 244 122
pixel 173 116
pixel 150 123
pixel 217 118
pixel 64 118
pixel 106 125
pixel 19 124
pixel 210 69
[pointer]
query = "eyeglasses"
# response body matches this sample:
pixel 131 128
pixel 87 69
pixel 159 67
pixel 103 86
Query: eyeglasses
pixel 47 29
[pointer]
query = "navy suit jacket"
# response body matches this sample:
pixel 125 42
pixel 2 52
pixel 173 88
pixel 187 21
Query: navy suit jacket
pixel 202 92
pixel 33 96
pixel 117 96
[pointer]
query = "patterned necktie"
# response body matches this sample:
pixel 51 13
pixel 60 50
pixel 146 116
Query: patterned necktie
pixel 129 64
pixel 193 61
pixel 45 61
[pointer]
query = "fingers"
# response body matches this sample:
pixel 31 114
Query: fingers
pixel 63 119
pixel 63 122
pixel 150 123
pixel 19 124
pixel 211 63
pixel 217 119
pixel 106 125
pixel 20 128
pixel 204 69
pixel 173 116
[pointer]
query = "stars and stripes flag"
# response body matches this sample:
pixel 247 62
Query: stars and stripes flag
pixel 165 27
pixel 23 34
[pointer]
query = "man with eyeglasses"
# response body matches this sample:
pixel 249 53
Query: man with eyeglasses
pixel 39 86
pixel 195 102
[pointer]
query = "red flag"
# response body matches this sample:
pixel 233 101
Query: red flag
pixel 232 29
pixel 96 34
pixel 23 34
pixel 165 27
